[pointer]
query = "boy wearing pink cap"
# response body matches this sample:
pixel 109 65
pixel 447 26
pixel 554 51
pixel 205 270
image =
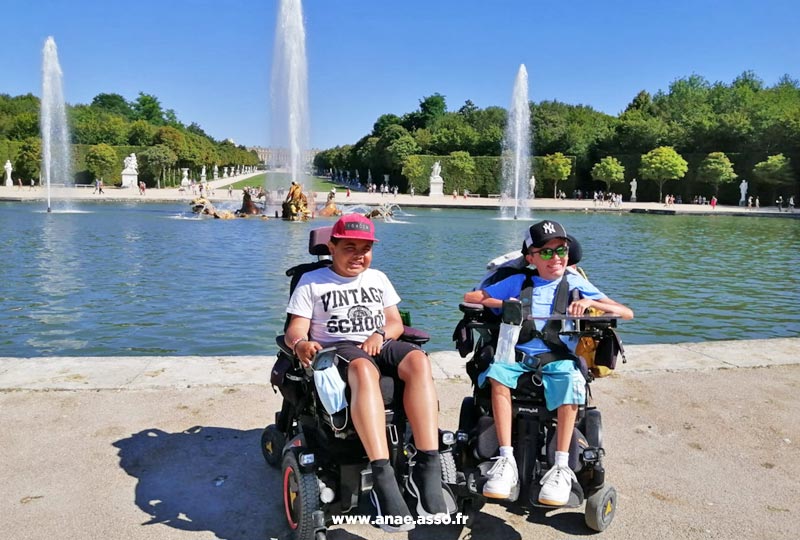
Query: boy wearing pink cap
pixel 354 307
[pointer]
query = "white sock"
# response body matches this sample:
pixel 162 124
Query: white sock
pixel 562 459
pixel 507 451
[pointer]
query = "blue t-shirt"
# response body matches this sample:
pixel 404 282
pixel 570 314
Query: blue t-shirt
pixel 544 293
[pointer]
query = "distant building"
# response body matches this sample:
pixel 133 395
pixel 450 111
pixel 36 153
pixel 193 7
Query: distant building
pixel 278 158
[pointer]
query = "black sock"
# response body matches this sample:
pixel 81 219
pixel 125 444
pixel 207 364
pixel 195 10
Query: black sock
pixel 427 475
pixel 384 484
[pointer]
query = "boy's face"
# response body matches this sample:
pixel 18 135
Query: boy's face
pixel 552 268
pixel 351 257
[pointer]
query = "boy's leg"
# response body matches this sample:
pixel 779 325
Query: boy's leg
pixel 367 408
pixel 564 391
pixel 369 419
pixel 566 424
pixel 501 410
pixel 503 475
pixel 421 406
pixel 420 400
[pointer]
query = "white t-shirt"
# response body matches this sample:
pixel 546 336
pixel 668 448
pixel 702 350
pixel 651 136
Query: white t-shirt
pixel 343 308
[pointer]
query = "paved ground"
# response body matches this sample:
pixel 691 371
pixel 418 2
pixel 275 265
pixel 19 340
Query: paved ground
pixel 702 442
pixel 221 194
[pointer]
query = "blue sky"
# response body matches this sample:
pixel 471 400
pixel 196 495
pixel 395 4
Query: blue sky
pixel 210 60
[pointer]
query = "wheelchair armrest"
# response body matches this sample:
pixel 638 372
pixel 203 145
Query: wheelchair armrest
pixel 471 311
pixel 283 347
pixel 414 335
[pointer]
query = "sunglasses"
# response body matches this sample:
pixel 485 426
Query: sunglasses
pixel 547 253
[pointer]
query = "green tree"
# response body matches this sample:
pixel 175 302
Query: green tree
pixel 662 164
pixel 140 133
pixel 609 171
pixel 383 122
pixel 23 126
pixel 460 170
pixel 101 160
pixel 157 159
pixel 114 104
pixel 414 171
pixel 112 129
pixel 775 172
pixel 554 168
pixel 29 158
pixel 147 107
pixel 716 169
pixel 399 150
pixel 431 108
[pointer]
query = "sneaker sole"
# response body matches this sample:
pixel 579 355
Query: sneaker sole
pixel 548 502
pixel 490 495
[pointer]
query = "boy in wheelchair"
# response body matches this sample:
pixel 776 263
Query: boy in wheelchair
pixel 354 308
pixel 543 352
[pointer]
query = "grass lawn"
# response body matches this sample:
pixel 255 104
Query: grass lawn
pixel 279 180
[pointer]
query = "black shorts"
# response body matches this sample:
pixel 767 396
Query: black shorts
pixel 392 353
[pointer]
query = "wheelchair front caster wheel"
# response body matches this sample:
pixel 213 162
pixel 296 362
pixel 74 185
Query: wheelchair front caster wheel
pixel 600 508
pixel 272 443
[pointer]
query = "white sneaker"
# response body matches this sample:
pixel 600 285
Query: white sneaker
pixel 503 476
pixel 556 486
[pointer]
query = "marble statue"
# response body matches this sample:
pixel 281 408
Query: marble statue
pixel 742 192
pixel 131 164
pixel 8 169
pixel 130 174
pixel 436 170
pixel 216 171
pixel 436 182
pixel 633 190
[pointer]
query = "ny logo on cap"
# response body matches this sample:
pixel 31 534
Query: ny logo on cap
pixel 549 228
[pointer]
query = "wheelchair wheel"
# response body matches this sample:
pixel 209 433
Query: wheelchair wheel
pixel 272 443
pixel 300 499
pixel 600 508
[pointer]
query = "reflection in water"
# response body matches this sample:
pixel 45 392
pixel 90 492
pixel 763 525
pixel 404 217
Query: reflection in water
pixel 132 280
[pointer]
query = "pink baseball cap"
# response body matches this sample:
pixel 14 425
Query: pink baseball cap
pixel 354 227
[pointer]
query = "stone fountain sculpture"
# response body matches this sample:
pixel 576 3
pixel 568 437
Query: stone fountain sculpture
pixel 130 174
pixel 437 184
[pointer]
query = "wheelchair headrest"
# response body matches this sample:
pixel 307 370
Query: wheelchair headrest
pixel 318 241
pixel 575 251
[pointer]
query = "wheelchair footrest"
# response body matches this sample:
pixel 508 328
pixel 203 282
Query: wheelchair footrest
pixel 576 496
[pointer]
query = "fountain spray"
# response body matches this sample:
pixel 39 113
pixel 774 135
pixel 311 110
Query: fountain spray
pixel 53 121
pixel 289 86
pixel 516 151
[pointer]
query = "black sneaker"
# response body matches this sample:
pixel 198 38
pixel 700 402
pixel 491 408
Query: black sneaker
pixel 425 485
pixel 403 524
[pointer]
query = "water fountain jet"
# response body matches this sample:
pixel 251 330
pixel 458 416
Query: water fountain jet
pixel 289 86
pixel 516 151
pixel 53 122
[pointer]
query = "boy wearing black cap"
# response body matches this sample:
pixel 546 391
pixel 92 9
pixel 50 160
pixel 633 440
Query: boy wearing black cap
pixel 354 307
pixel 546 247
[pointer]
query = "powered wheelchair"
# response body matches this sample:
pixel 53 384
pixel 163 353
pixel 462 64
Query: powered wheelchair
pixel 325 470
pixel 533 426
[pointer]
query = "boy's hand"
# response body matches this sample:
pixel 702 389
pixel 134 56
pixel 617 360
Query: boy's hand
pixel 579 307
pixel 372 346
pixel 305 351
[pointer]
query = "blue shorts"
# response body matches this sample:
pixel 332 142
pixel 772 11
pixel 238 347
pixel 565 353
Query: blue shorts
pixel 563 382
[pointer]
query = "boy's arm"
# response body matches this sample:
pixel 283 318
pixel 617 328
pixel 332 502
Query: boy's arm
pixel 606 305
pixel 296 338
pixel 481 297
